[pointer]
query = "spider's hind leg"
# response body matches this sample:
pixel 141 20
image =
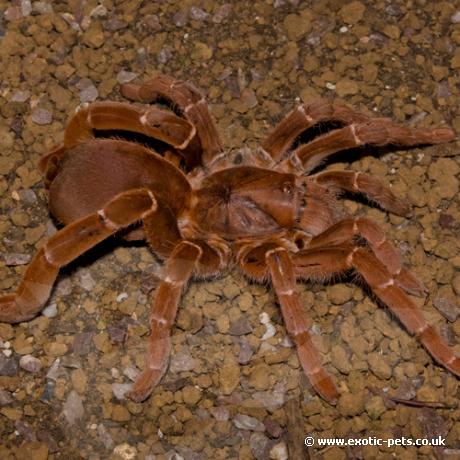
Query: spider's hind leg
pixel 66 245
pixel 189 100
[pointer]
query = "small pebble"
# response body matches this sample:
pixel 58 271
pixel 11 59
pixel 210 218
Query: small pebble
pixel 125 451
pixel 125 77
pixel 105 436
pixel 15 259
pixel 198 14
pixel 245 353
pixel 5 398
pixel 30 363
pixel 122 296
pixel 245 422
pixel 42 117
pixel 73 409
pixel 86 280
pixel 55 371
pixel 82 343
pixel 120 389
pixel 50 311
pixel 42 7
pixel 222 13
pixel 258 443
pixel 279 452
pixel 447 308
pixel 180 18
pixel 8 366
pixel 271 331
pixel 131 372
pixel 273 428
pixel 182 362
pixel 88 94
pixel 455 18
pixel 220 413
pixel 20 96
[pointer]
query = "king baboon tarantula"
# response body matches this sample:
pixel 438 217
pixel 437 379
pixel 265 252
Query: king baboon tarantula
pixel 271 217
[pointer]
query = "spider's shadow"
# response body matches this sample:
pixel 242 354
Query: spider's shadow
pixel 102 249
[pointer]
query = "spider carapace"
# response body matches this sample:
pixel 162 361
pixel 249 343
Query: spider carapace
pixel 245 202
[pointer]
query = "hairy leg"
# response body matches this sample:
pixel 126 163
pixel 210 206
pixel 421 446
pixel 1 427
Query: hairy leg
pixel 370 187
pixel 375 132
pixel 177 273
pixel 349 229
pixel 66 245
pixel 190 102
pixel 186 258
pixel 329 256
pixel 160 124
pixel 303 117
pixel 283 277
pixel 324 262
pixel 385 286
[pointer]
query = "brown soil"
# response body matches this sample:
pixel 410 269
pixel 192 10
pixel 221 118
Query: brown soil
pixel 234 389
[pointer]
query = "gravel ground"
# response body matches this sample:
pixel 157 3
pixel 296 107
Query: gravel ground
pixel 234 389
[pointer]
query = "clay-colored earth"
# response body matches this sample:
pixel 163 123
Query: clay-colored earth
pixel 234 389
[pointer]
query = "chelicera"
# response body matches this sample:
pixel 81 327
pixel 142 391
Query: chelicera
pixel 274 215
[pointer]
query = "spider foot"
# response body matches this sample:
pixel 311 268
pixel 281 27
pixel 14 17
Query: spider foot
pixel 10 311
pixel 144 384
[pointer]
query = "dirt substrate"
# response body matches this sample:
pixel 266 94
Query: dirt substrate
pixel 234 389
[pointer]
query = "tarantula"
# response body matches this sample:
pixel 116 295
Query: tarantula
pixel 272 217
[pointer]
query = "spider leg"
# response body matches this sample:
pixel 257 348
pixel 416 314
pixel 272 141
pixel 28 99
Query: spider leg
pixel 177 272
pixel 303 117
pixel 186 258
pixel 369 186
pixel 385 286
pixel 322 262
pixel 66 245
pixel 375 132
pixel 160 124
pixel 190 102
pixel 321 208
pixel 348 229
pixel 283 277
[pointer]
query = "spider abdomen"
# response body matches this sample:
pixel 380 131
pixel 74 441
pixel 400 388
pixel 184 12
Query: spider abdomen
pixel 94 172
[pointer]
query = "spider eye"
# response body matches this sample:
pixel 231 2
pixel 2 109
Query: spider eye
pixel 287 188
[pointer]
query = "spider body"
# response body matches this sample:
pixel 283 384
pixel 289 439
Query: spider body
pixel 246 202
pixel 199 212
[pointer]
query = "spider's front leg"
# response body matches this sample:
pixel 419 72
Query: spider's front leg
pixel 383 271
pixel 347 230
pixel 272 261
pixel 177 272
pixel 373 131
pixel 283 277
pixel 66 245
pixel 385 286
